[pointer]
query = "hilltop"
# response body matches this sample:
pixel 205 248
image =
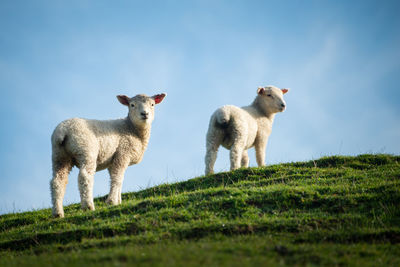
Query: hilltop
pixel 336 210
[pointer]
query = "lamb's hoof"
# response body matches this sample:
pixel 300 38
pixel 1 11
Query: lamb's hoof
pixel 209 172
pixel 111 202
pixel 88 206
pixel 58 215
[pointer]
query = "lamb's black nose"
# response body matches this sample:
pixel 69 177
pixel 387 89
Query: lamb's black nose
pixel 283 105
pixel 144 113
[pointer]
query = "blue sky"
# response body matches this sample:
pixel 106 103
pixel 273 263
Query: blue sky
pixel 63 59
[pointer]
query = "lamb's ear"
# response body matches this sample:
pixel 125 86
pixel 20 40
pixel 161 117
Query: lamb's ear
pixel 285 90
pixel 260 90
pixel 123 99
pixel 158 98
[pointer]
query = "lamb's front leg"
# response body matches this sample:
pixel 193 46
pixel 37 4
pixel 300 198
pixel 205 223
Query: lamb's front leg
pixel 260 153
pixel 245 159
pixel 117 172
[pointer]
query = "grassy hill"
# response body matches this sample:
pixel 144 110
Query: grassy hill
pixel 332 211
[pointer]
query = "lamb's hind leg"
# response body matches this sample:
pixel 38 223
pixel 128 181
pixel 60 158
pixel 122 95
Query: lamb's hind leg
pixel 214 139
pixel 85 183
pixel 61 170
pixel 236 156
pixel 237 149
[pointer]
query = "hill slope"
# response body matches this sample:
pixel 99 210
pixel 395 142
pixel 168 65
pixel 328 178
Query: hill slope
pixel 334 211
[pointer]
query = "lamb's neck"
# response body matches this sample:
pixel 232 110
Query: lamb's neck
pixel 141 131
pixel 144 134
pixel 264 111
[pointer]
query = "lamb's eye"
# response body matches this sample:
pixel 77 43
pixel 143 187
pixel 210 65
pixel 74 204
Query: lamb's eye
pixel 269 95
pixel 152 105
pixel 132 105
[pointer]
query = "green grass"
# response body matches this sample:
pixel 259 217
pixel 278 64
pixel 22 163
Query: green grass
pixel 332 211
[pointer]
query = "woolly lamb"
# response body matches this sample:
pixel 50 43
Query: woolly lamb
pixel 93 145
pixel 239 129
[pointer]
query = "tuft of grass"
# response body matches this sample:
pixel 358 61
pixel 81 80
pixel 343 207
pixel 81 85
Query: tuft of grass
pixel 337 210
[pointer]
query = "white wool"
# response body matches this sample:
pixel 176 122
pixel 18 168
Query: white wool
pixel 239 129
pixel 94 145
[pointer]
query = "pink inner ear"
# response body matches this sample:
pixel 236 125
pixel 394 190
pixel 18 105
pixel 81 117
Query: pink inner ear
pixel 123 99
pixel 158 98
pixel 285 91
pixel 261 90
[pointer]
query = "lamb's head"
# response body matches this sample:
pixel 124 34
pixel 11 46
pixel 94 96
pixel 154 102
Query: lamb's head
pixel 271 98
pixel 141 107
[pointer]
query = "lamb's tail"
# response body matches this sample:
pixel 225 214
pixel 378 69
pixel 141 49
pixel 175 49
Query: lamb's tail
pixel 59 137
pixel 223 117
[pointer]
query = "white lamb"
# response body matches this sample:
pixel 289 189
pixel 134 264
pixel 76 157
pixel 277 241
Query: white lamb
pixel 239 129
pixel 94 145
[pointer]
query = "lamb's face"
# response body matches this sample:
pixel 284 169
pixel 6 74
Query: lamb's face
pixel 141 107
pixel 272 98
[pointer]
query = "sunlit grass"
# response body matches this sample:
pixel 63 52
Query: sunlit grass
pixel 332 211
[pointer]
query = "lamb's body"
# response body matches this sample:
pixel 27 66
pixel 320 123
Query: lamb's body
pixel 94 145
pixel 239 129
pixel 98 141
pixel 244 123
